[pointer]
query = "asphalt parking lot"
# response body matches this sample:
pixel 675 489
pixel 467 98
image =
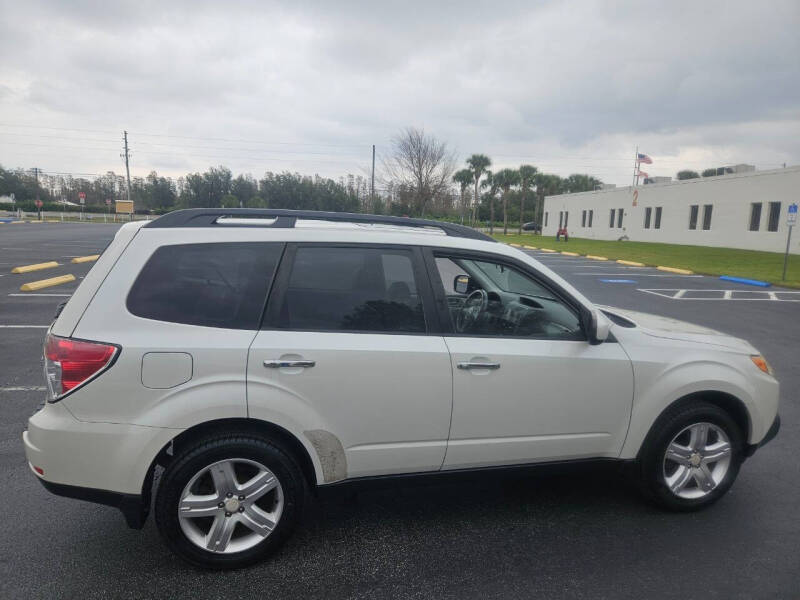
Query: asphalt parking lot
pixel 572 534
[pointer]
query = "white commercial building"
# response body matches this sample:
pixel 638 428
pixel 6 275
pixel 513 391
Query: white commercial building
pixel 740 210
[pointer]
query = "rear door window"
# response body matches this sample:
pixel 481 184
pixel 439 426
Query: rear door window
pixel 213 285
pixel 363 289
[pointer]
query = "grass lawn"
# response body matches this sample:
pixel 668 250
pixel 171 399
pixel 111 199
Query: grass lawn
pixel 766 266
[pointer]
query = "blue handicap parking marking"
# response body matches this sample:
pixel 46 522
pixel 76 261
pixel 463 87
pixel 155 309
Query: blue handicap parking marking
pixel 618 281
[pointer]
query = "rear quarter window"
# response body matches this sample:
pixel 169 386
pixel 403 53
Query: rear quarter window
pixel 212 285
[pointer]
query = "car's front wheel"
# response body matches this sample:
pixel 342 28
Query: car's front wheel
pixel 229 502
pixel 692 457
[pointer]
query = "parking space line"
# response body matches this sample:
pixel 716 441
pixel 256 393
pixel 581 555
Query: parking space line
pixel 49 295
pixel 723 295
pixel 24 326
pixel 24 388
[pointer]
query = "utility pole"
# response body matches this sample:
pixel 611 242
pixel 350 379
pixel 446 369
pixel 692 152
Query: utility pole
pixel 126 156
pixel 36 174
pixel 372 185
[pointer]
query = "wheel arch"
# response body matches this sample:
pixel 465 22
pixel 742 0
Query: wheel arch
pixel 256 427
pixel 724 400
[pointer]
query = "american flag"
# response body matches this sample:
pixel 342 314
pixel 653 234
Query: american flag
pixel 642 174
pixel 643 158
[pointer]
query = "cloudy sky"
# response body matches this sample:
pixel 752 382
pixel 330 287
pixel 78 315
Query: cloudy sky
pixel 309 86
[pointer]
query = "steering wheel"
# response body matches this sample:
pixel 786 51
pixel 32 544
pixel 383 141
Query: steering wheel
pixel 473 306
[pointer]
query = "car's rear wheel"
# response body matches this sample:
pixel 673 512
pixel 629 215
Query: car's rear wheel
pixel 692 457
pixel 229 502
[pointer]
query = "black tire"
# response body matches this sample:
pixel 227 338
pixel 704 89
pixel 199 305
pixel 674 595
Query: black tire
pixel 206 452
pixel 650 464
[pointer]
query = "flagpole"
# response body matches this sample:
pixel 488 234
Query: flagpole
pixel 635 167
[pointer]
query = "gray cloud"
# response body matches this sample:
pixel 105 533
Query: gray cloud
pixel 572 86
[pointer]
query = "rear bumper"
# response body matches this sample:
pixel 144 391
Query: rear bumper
pixel 770 435
pixel 134 507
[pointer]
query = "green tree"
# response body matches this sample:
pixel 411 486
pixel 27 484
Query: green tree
pixel 580 183
pixel 709 172
pixel 686 174
pixel 527 173
pixel 478 164
pixel 463 178
pixel 505 179
pixel 492 185
pixel 547 184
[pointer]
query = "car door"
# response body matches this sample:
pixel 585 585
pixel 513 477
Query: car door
pixel 527 385
pixel 346 350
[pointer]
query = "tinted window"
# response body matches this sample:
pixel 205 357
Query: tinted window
pixel 213 285
pixel 352 289
pixel 755 216
pixel 619 217
pixel 693 216
pixel 658 218
pixel 774 216
pixel 583 219
pixel 591 215
pixel 707 216
pixel 611 220
pixel 647 213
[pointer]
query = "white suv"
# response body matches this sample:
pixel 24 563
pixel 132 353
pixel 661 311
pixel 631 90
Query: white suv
pixel 258 355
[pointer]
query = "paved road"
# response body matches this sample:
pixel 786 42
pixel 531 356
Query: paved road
pixel 576 534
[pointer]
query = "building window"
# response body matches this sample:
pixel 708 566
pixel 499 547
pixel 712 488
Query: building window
pixel 591 215
pixel 657 224
pixel 647 214
pixel 693 209
pixel 583 219
pixel 619 217
pixel 707 208
pixel 545 218
pixel 755 216
pixel 566 218
pixel 560 219
pixel 611 220
pixel 774 216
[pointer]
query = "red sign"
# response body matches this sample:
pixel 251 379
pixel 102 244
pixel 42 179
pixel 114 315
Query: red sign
pixel 108 201
pixel 82 195
pixel 39 204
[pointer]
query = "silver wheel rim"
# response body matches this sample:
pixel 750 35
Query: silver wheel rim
pixel 230 506
pixel 697 460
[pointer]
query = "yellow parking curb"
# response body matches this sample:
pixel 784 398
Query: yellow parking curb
pixel 570 253
pixel 675 270
pixel 531 247
pixel 44 283
pixel 593 257
pixel 36 267
pixel 630 263
pixel 83 259
pixel 547 250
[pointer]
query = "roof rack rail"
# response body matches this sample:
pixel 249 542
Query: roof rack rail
pixel 208 217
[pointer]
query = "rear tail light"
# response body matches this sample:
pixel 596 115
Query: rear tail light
pixel 70 364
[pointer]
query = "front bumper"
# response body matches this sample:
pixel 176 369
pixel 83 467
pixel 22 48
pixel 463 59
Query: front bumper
pixel 750 449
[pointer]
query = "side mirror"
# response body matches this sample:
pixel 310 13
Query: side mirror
pixel 596 325
pixel 461 284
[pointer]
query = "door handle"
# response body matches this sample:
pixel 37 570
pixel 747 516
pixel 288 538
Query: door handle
pixel 479 365
pixel 287 364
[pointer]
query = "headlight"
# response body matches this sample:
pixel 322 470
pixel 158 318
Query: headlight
pixel 762 363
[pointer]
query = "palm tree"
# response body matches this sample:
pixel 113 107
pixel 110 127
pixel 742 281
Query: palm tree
pixel 478 165
pixel 546 185
pixel 504 179
pixel 490 183
pixel 463 178
pixel 581 183
pixel 526 178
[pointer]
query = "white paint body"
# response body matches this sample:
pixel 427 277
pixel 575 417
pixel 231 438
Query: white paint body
pixel 730 195
pixel 397 403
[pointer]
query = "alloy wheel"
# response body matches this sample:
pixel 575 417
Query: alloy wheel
pixel 697 460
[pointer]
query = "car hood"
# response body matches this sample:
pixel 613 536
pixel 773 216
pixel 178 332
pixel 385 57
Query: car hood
pixel 665 327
